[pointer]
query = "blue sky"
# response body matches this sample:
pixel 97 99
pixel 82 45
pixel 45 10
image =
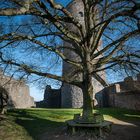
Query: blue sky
pixel 36 92
pixel 64 2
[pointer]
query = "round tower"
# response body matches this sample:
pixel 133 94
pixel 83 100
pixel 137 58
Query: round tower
pixel 71 96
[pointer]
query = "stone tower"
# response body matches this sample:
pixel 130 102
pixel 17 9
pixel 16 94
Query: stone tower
pixel 71 96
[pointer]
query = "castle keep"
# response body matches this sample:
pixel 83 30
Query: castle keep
pixel 124 94
pixel 71 96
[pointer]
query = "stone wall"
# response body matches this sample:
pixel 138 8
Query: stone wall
pixel 128 100
pixel 72 96
pixel 125 94
pixel 18 92
pixel 52 98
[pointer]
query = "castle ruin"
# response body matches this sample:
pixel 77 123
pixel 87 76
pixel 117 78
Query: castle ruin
pixel 18 92
pixel 71 96
pixel 124 94
pixel 52 98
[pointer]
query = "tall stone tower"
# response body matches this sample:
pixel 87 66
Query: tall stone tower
pixel 71 96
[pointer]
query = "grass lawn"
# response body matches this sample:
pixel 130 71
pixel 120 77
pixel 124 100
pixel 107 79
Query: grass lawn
pixel 29 124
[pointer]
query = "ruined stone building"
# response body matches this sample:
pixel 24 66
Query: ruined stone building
pixel 18 92
pixel 52 98
pixel 70 96
pixel 124 94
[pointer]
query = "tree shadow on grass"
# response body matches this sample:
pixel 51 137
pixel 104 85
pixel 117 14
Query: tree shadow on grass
pixel 121 114
pixel 127 125
pixel 34 125
pixel 41 128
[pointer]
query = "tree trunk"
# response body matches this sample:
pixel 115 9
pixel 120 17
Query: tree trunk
pixel 1 103
pixel 87 89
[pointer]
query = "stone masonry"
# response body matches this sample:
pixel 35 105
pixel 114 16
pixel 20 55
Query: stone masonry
pixel 18 92
pixel 125 94
pixel 52 98
pixel 71 96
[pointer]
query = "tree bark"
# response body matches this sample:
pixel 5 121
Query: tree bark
pixel 87 89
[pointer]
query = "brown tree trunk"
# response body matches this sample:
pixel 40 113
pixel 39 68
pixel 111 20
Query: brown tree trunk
pixel 1 103
pixel 87 89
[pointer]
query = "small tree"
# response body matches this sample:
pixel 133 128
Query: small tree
pixel 115 22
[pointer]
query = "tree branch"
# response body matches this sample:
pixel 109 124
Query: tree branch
pixel 100 79
pixel 13 36
pixel 30 70
pixel 124 37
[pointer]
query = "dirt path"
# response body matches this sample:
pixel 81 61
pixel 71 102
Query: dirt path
pixel 121 130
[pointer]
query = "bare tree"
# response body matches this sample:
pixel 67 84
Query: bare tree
pixel 115 22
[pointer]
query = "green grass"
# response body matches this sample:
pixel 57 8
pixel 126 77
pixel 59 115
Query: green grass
pixel 28 124
pixel 120 114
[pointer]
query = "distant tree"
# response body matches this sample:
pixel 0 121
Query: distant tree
pixel 115 22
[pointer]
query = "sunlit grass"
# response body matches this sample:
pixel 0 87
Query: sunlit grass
pixel 134 116
pixel 9 130
pixel 28 124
